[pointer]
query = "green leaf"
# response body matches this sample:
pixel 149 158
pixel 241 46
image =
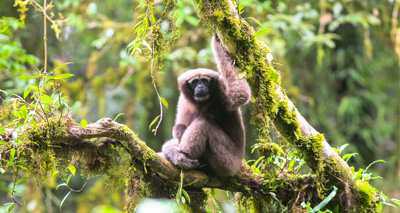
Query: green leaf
pixel 83 123
pixel 55 173
pixel 26 92
pixel 359 175
pixel 12 153
pixel 186 195
pixel 373 164
pixel 153 122
pixel 164 102
pixel 11 208
pixel 152 19
pixel 147 45
pixel 61 66
pixel 325 201
pixel 241 7
pixel 72 169
pixel 262 32
pixel 257 22
pixel 69 177
pixel 274 76
pixel 63 184
pixel 21 180
pixel 26 78
pixel 5 143
pixel 341 148
pixel 61 76
pixel 139 6
pixel 46 99
pixel 62 202
pixel 348 156
pixel 118 116
pixel 216 204
pixel 213 193
pixel 396 201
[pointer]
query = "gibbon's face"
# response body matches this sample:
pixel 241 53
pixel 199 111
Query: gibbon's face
pixel 201 87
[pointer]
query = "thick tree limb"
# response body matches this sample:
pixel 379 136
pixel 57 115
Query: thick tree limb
pixel 238 39
pixel 113 132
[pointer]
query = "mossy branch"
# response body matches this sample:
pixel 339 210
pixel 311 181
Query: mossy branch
pixel 68 139
pixel 270 100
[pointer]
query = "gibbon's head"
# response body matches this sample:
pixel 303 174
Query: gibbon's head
pixel 198 85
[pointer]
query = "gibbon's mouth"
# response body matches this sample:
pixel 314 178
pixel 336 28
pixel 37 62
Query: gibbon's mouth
pixel 201 98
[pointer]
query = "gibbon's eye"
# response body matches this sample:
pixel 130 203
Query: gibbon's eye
pixel 194 83
pixel 205 81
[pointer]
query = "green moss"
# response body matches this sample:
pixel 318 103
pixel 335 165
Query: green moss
pixel 40 158
pixel 367 195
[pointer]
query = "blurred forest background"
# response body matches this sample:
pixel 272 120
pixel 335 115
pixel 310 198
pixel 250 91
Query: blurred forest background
pixel 339 62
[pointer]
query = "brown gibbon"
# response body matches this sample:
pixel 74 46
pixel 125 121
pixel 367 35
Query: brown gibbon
pixel 208 127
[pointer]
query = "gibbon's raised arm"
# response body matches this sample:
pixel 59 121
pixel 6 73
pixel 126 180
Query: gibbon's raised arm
pixel 237 90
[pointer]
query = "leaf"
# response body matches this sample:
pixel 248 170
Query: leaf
pixel 262 32
pixel 359 175
pixel 241 7
pixel 69 177
pixel 257 22
pixel 61 66
pixel 153 122
pixel 5 143
pixel 61 76
pixel 55 173
pixel 62 202
pixel 83 123
pixel 26 78
pixel 186 195
pixel 72 169
pixel 216 204
pixel 46 99
pixel 341 148
pixel 274 76
pixel 11 207
pixel 164 102
pixel 63 184
pixel 373 164
pixel 213 193
pixel 12 153
pixel 144 42
pixel 396 201
pixel 26 92
pixel 21 180
pixel 152 19
pixel 142 5
pixel 325 201
pixel 348 156
pixel 118 116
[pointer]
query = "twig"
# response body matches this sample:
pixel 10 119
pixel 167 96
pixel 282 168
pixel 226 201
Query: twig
pixel 158 94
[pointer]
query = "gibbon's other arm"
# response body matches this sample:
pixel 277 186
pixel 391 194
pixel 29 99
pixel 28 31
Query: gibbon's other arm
pixel 237 91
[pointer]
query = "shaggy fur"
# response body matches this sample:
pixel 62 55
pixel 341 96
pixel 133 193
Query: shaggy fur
pixel 210 130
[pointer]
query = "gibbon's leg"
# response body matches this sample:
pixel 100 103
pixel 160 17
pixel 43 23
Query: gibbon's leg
pixel 194 138
pixel 224 156
pixel 178 130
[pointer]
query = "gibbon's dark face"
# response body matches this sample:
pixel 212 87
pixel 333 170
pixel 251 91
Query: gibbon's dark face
pixel 201 87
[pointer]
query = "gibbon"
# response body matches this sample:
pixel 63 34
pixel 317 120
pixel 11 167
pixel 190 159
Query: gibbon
pixel 208 127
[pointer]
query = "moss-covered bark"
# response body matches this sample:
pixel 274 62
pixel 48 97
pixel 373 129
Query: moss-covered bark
pixel 271 103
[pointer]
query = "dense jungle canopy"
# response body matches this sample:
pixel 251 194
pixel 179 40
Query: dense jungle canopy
pixel 337 61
